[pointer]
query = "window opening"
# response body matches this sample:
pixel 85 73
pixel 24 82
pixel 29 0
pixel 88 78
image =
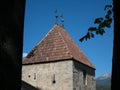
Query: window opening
pixel 54 81
pixel 84 78
pixel 29 76
pixel 34 76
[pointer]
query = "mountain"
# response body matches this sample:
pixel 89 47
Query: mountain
pixel 104 79
pixel 103 82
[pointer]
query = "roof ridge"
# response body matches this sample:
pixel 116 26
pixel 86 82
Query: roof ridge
pixel 46 35
pixel 66 43
pixel 41 40
pixel 74 56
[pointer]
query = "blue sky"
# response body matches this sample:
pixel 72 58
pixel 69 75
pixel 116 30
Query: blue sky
pixel 78 15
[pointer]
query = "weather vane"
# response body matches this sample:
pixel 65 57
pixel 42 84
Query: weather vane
pixel 62 20
pixel 56 16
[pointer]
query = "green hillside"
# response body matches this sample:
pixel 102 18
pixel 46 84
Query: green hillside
pixel 103 87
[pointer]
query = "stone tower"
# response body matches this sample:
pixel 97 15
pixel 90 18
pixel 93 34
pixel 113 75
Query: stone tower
pixel 56 63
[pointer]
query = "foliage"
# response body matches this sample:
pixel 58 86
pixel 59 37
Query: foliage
pixel 102 24
pixel 103 87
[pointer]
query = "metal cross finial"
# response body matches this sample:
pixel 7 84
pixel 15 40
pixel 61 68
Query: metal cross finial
pixel 56 16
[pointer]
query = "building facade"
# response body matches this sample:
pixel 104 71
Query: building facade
pixel 56 63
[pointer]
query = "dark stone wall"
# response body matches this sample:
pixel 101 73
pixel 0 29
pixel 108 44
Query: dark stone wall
pixel 27 86
pixel 78 81
pixel 11 43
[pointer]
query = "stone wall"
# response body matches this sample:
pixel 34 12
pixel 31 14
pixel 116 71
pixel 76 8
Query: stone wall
pixel 62 75
pixel 49 76
pixel 78 77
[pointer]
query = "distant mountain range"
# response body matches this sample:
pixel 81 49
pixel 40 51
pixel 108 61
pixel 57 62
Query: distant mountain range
pixel 103 82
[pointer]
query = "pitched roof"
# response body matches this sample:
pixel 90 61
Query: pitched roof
pixel 55 46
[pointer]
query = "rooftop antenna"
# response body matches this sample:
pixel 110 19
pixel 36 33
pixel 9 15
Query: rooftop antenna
pixel 56 16
pixel 62 20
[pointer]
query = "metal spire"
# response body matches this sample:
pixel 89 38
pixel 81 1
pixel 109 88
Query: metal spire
pixel 62 20
pixel 56 16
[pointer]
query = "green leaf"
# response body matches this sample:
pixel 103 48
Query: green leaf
pixel 107 7
pixel 86 38
pixel 88 35
pixel 101 31
pixel 107 16
pixel 98 20
pixel 92 35
pixel 109 12
pixel 110 20
pixel 97 32
pixel 92 29
pixel 103 24
pixel 81 39
pixel 108 25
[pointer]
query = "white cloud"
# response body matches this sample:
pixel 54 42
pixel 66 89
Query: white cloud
pixel 24 55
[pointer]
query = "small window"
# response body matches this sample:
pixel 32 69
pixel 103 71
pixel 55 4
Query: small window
pixel 74 88
pixel 84 78
pixel 29 76
pixel 34 76
pixel 53 79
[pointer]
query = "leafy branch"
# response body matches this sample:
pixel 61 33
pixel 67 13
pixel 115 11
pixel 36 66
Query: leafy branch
pixel 102 24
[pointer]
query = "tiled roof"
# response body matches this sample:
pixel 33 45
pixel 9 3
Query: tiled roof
pixel 55 46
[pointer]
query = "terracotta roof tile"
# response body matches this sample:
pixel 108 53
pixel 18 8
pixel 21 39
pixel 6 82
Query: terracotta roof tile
pixel 56 45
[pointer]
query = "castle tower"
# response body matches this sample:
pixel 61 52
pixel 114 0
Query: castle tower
pixel 56 63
